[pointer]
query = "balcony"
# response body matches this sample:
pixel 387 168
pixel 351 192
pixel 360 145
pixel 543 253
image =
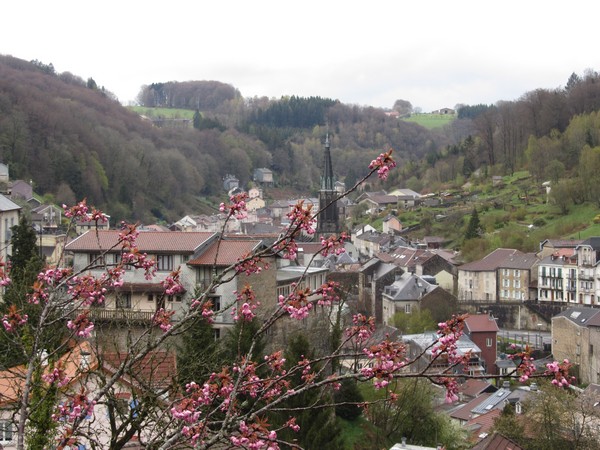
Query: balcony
pixel 120 315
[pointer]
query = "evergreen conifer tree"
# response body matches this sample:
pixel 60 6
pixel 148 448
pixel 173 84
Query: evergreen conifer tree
pixel 312 409
pixel 473 228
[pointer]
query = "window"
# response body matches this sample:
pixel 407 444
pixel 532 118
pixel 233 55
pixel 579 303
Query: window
pixel 217 333
pixel 407 308
pixel 118 258
pixel 216 302
pixel 177 298
pixel 96 259
pixel 517 273
pixel 488 342
pixel 6 431
pixel 164 262
pixel 124 300
pixel 150 298
pixel 517 283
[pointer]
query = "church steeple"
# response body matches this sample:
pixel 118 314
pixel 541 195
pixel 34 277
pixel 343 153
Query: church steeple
pixel 327 180
pixel 328 219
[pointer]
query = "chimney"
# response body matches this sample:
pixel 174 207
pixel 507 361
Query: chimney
pixel 85 360
pixel 44 358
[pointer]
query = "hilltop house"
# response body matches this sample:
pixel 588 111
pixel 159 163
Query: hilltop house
pixel 391 224
pixel 263 176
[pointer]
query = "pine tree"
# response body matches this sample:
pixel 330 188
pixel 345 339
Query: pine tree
pixel 197 355
pixel 474 226
pixel 313 411
pixel 347 400
pixel 26 263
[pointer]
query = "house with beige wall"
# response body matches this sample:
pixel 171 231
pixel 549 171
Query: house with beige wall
pixel 478 280
pixel 576 337
pixel 10 213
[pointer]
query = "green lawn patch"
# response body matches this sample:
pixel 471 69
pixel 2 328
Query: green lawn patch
pixel 358 434
pixel 430 121
pixel 163 113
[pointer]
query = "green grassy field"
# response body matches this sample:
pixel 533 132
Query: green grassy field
pixel 431 121
pixel 163 113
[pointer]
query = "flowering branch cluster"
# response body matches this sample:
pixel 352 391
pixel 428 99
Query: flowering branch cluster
pixel 172 283
pixel 327 293
pixel 449 333
pixel 560 373
pixel 162 319
pixel 81 325
pixel 14 319
pixel 4 271
pixel 57 375
pixel 225 391
pixel 71 410
pixel 362 329
pixel 237 206
pixel 333 245
pixel 388 358
pixel 250 265
pixel 217 409
pixel 301 220
pixel 383 163
pixel 297 303
pixel 82 212
pixel 248 304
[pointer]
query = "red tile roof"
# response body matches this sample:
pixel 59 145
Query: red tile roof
pixel 464 413
pixel 229 252
pixel 496 442
pixel 472 387
pixel 483 424
pixel 481 322
pixel 12 380
pixel 147 241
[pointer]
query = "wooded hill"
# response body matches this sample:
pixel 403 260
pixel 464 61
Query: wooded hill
pixel 74 140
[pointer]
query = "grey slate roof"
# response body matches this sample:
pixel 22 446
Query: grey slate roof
pixel 7 205
pixel 492 401
pixel 408 287
pixel 581 316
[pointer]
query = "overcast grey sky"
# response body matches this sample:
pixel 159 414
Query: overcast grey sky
pixel 432 53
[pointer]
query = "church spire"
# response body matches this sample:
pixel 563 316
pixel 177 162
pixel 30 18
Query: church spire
pixel 327 180
pixel 328 218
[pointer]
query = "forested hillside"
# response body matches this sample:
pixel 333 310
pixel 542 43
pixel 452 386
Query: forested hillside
pixel 74 140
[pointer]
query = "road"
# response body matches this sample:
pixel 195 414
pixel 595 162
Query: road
pixel 535 339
